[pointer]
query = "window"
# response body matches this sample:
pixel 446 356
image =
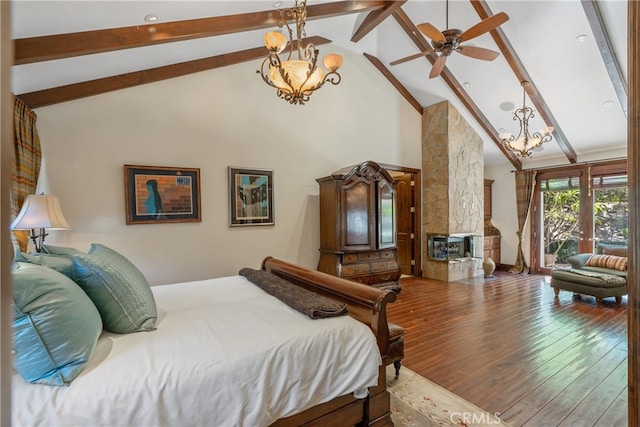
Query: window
pixel 611 210
pixel 575 208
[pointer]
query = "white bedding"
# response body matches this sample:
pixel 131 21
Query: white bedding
pixel 224 353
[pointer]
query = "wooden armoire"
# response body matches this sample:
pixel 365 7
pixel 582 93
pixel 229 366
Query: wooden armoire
pixel 358 225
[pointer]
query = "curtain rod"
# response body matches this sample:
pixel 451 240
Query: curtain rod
pixel 573 164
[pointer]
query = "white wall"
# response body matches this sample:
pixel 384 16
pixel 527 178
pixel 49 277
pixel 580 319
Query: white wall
pixel 503 210
pixel 212 120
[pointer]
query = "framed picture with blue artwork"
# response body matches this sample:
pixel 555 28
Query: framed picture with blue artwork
pixel 250 196
pixel 158 194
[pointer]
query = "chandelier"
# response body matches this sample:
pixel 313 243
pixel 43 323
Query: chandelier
pixel 297 76
pixel 524 144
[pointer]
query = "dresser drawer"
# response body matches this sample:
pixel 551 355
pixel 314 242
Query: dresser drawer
pixel 388 254
pixel 384 266
pixel 369 256
pixel 492 242
pixel 349 258
pixel 355 270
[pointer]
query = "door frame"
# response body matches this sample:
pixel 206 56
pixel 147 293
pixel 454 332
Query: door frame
pixel 585 171
pixel 417 224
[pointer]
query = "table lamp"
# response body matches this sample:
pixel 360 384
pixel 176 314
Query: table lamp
pixel 40 211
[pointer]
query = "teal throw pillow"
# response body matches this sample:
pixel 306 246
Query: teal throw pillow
pixel 60 250
pixel 55 326
pixel 117 288
pixel 60 263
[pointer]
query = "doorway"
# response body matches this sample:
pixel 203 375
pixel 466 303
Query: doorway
pixel 577 208
pixel 408 218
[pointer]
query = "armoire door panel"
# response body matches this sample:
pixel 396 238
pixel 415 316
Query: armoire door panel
pixel 387 217
pixel 358 201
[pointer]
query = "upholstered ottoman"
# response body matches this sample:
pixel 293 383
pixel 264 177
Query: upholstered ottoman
pixel 599 285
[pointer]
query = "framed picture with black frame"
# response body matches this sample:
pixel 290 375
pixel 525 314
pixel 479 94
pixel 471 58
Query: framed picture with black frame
pixel 158 194
pixel 250 196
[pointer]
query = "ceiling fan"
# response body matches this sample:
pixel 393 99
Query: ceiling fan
pixel 450 40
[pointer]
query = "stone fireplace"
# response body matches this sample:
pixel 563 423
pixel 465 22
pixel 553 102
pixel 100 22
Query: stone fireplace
pixel 452 189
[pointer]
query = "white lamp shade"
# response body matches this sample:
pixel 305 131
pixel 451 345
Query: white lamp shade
pixel 40 211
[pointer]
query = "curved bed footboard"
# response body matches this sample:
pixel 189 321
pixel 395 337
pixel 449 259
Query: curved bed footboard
pixel 365 304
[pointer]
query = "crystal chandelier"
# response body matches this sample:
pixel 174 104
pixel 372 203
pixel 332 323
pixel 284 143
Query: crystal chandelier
pixel 524 144
pixel 296 79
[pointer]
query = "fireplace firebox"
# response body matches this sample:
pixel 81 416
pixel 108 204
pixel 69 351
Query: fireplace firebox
pixel 452 247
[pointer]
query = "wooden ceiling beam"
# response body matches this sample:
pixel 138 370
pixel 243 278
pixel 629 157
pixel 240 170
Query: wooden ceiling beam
pixel 422 44
pixel 521 74
pixel 56 95
pixel 395 82
pixel 611 63
pixel 374 18
pixel 44 48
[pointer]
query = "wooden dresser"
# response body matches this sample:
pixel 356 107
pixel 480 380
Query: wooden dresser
pixel 491 234
pixel 358 225
pixel 492 248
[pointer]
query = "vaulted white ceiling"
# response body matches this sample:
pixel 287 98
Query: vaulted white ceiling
pixel 570 76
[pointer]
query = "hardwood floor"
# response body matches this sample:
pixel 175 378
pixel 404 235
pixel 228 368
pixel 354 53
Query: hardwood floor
pixel 508 346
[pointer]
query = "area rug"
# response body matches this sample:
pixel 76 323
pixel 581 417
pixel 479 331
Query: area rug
pixel 416 401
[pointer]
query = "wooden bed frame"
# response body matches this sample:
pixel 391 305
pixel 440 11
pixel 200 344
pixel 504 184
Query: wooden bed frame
pixel 365 304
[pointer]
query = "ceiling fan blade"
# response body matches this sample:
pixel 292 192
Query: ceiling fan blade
pixel 478 52
pixel 438 66
pixel 410 57
pixel 432 32
pixel 483 26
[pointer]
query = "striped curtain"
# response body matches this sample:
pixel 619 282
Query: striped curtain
pixel 26 161
pixel 524 191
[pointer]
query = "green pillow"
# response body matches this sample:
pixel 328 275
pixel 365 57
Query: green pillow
pixel 60 263
pixel 55 326
pixel 117 288
pixel 60 250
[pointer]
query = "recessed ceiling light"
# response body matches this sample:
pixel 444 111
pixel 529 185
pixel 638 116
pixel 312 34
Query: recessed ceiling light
pixel 581 38
pixel 607 104
pixel 507 106
pixel 151 18
pixel 466 84
pixel 277 4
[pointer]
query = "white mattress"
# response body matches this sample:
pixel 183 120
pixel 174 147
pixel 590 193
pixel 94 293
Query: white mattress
pixel 224 353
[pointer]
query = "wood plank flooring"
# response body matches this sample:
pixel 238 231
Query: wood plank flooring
pixel 507 345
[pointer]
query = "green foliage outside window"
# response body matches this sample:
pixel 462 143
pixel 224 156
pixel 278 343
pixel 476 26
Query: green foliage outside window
pixel 561 212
